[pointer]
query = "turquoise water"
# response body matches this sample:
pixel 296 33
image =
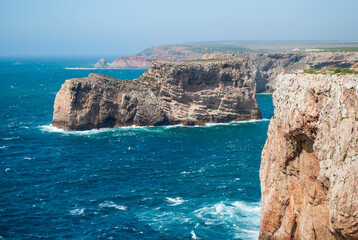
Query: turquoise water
pixel 129 183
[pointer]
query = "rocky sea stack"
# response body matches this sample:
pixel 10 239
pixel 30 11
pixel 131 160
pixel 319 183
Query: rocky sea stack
pixel 309 168
pixel 190 93
pixel 101 64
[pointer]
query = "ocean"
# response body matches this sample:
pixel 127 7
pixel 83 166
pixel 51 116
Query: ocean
pixel 170 182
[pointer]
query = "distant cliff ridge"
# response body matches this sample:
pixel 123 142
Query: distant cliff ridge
pixel 309 167
pixel 131 62
pixel 267 66
pixel 194 92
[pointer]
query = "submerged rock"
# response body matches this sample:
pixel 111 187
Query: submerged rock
pixel 309 167
pixel 194 92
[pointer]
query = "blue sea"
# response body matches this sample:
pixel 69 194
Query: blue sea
pixel 172 182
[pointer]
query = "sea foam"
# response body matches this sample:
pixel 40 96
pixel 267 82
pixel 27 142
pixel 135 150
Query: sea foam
pixel 52 129
pixel 81 68
pixel 175 201
pixel 110 204
pixel 78 211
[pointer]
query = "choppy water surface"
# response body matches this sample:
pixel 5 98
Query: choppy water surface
pixel 171 182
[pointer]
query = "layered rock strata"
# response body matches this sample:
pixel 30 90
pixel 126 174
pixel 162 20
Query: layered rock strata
pixel 194 92
pixel 309 168
pixel 266 67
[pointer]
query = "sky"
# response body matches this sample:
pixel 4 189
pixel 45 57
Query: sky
pixel 116 27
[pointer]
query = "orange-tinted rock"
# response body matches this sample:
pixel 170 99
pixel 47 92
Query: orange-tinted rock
pixel 309 168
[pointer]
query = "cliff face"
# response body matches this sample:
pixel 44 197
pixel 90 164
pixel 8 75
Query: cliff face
pixel 309 168
pixel 131 62
pixel 267 66
pixel 188 93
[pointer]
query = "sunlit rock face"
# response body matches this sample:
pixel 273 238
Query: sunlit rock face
pixel 190 93
pixel 309 167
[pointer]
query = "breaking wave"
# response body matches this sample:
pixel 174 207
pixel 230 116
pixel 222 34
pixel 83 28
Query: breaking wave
pixel 239 219
pixel 175 201
pixel 52 129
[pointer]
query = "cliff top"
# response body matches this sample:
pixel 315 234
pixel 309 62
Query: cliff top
pixel 330 71
pixel 211 61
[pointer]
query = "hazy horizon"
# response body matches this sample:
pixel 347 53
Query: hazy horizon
pixel 114 28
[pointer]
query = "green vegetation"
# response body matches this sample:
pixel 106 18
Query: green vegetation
pixel 343 70
pixel 149 79
pixel 313 70
pixel 330 71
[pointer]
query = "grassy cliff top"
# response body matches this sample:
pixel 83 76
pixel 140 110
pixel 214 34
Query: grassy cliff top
pixel 331 71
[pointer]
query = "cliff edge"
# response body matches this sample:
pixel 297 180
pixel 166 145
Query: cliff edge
pixel 266 67
pixel 192 92
pixel 309 168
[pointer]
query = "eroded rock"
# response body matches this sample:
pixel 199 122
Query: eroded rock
pixel 309 168
pixel 194 92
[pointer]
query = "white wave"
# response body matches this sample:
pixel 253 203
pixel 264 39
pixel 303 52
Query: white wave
pixel 7 169
pixel 241 217
pixel 10 138
pixel 175 201
pixel 238 122
pixel 3 147
pixel 78 211
pixel 81 68
pixel 51 128
pixel 245 209
pixel 174 126
pixel 93 68
pixel 27 158
pixel 193 235
pixel 253 208
pixel 110 204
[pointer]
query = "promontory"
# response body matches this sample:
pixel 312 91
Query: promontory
pixel 189 93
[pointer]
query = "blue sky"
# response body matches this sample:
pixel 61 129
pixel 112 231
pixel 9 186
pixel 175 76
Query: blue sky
pixel 109 27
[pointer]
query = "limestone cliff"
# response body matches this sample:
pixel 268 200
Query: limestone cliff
pixel 266 67
pixel 309 168
pixel 194 92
